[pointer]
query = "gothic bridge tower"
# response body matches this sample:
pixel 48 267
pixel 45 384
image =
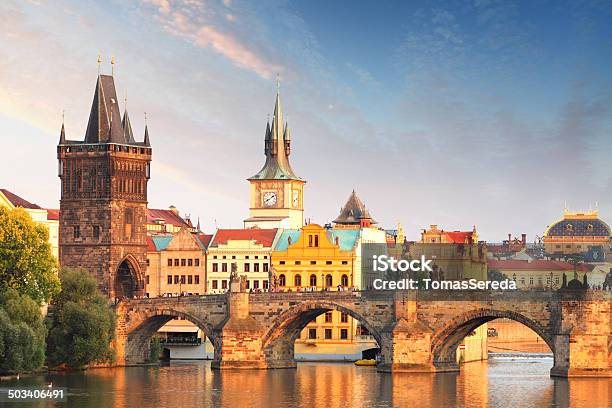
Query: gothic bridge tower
pixel 104 197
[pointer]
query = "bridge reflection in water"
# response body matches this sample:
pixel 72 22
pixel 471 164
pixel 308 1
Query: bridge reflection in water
pixel 416 331
pixel 513 383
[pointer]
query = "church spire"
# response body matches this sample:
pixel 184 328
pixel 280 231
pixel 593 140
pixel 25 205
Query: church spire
pixel 277 145
pixel 126 125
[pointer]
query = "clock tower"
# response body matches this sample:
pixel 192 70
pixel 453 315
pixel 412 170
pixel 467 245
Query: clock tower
pixel 276 192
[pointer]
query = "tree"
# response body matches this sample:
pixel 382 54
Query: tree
pixel 26 262
pixel 495 275
pixel 83 324
pixel 22 333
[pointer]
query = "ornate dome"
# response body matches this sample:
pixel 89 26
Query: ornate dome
pixel 579 228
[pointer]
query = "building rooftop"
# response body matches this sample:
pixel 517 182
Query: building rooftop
pixel 537 264
pixel 18 201
pixel 264 237
pixel 353 212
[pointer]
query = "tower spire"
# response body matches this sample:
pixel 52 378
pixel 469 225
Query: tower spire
pixel 147 142
pixel 62 132
pixel 112 65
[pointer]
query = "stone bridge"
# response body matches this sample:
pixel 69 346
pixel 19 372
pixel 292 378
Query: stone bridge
pixel 416 331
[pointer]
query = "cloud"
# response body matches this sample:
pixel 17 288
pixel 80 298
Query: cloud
pixel 202 27
pixel 364 75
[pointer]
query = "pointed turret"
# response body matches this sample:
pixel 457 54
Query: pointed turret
pixel 354 213
pixel 147 142
pixel 62 139
pixel 276 148
pixel 126 125
pixel 103 109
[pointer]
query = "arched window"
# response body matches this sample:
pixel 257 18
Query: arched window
pixel 313 280
pixel 297 280
pixel 281 280
pixel 328 281
pixel 344 280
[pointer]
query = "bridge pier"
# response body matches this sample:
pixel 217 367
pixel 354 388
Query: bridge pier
pixel 583 346
pixel 240 344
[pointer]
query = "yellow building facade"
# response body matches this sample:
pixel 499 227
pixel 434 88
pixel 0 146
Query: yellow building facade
pixel 315 258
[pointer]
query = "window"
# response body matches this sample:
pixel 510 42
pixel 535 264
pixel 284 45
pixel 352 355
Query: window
pixel 265 267
pixel 313 280
pixel 248 284
pixel 190 262
pixel 233 256
pixel 297 280
pixel 256 284
pixel 196 279
pixel 344 280
pixel 183 262
pixel 76 231
pixel 246 257
pixel 343 334
pixel 224 284
pixel 148 262
pixel 147 279
pixel 328 281
pixel 313 262
pixel 298 262
pixel 215 267
pixel 328 334
pixel 256 267
pixel 328 262
pixel 265 284
pixel 328 317
pixel 128 223
pixel 215 284
pixel 256 257
pixel 344 318
pixel 316 237
pixel 281 263
pixel 197 262
pixel 96 232
pixel 190 279
pixel 310 240
pixel 223 267
pixel 247 267
pixel 182 279
pixel 169 262
pixel 169 279
pixel 312 334
pixel 344 262
pixel 176 262
pixel 281 280
pixel 176 279
pixel 531 280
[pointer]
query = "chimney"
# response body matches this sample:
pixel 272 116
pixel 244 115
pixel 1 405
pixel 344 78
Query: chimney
pixel 173 209
pixel 509 238
pixel 524 238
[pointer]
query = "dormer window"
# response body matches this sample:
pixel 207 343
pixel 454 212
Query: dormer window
pixel 590 228
pixel 569 227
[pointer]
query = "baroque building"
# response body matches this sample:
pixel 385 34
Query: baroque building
pixel 581 233
pixel 102 226
pixel 276 192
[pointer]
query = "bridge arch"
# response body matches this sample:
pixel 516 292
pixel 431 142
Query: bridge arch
pixel 279 339
pixel 149 322
pixel 446 340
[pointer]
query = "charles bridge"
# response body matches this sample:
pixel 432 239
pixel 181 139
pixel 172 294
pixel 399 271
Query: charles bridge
pixel 416 331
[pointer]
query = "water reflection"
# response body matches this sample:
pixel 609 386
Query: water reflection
pixel 497 383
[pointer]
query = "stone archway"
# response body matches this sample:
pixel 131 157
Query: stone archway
pixel 445 341
pixel 137 345
pixel 279 339
pixel 126 283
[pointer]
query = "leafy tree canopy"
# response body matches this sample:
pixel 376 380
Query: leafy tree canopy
pixel 26 262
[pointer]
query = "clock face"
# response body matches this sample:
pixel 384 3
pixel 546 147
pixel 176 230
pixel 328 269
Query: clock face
pixel 269 198
pixel 296 198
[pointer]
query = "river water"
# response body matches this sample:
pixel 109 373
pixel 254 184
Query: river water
pixel 511 381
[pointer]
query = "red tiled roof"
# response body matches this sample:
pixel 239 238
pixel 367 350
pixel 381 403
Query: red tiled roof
pixel 537 264
pixel 18 201
pixel 264 237
pixel 168 216
pixel 53 214
pixel 459 237
pixel 204 239
pixel 150 244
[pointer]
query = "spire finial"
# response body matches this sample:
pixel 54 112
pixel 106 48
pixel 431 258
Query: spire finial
pixel 63 116
pixel 125 100
pixel 112 65
pixel 99 62
pixel 145 114
pixel 277 83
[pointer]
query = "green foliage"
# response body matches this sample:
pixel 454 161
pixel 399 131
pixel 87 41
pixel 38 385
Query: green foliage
pixel 22 333
pixel 26 262
pixel 495 275
pixel 83 324
pixel 155 349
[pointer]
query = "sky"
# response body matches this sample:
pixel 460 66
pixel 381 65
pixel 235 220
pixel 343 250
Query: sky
pixel 460 113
